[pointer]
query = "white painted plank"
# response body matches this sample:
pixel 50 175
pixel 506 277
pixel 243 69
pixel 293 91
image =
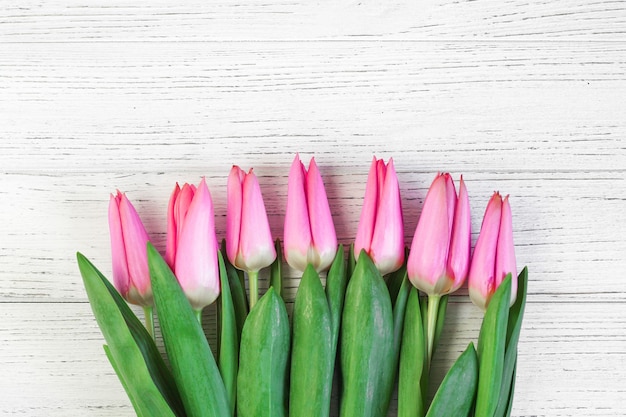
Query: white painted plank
pixel 569 364
pixel 458 106
pixel 568 226
pixel 94 21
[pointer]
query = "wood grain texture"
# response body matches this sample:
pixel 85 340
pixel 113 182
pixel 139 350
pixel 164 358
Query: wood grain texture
pixel 226 20
pixel 525 97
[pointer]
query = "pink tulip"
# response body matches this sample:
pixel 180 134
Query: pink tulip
pixel 192 245
pixel 440 252
pixel 309 230
pixel 249 242
pixel 494 254
pixel 131 276
pixel 380 231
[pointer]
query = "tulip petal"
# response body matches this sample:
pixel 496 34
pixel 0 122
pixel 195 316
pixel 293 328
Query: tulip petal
pixel 121 278
pixel 324 238
pixel 135 239
pixel 429 250
pixel 365 231
pixel 196 257
pixel 505 252
pixel 459 256
pixel 256 245
pixel 481 280
pixel 233 212
pixel 170 249
pixel 297 227
pixel 387 248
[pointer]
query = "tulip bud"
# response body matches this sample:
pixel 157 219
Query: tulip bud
pixel 131 276
pixel 380 232
pixel 440 252
pixel 249 242
pixel 494 254
pixel 309 230
pixel 192 245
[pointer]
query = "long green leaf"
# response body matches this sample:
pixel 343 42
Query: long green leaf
pixel 516 315
pixel 312 360
pixel 193 366
pixel 263 359
pixel 123 351
pixel 336 283
pixel 229 341
pixel 411 396
pixel 491 348
pixel 458 389
pixel 276 270
pixel 366 341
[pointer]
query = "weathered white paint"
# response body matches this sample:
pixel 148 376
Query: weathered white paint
pixel 523 97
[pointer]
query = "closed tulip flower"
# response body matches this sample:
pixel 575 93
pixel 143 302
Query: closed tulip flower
pixel 249 242
pixel 129 238
pixel 440 252
pixel 494 254
pixel 192 245
pixel 380 232
pixel 309 230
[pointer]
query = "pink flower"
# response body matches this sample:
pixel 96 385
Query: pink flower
pixel 131 276
pixel 248 238
pixel 191 244
pixel 440 252
pixel 309 230
pixel 380 231
pixel 494 254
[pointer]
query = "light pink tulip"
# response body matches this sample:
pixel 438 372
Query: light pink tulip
pixel 380 232
pixel 249 242
pixel 192 245
pixel 440 252
pixel 131 276
pixel 494 254
pixel 309 230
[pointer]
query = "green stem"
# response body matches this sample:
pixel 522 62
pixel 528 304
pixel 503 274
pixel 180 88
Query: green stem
pixel 253 283
pixel 147 311
pixel 433 310
pixel 198 314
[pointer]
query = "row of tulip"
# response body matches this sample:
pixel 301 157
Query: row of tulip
pixel 384 330
pixel 438 262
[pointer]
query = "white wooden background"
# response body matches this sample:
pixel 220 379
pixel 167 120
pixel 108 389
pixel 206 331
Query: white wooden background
pixel 522 96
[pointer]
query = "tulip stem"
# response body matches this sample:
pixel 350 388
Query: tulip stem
pixel 198 314
pixel 433 310
pixel 149 317
pixel 253 283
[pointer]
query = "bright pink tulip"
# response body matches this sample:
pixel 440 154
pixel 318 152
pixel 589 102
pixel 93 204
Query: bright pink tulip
pixel 309 230
pixel 128 249
pixel 494 254
pixel 440 252
pixel 249 242
pixel 192 245
pixel 380 231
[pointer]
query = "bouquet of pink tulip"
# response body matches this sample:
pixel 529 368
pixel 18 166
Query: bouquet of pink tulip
pixel 369 324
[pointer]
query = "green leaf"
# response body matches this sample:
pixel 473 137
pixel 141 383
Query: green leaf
pixel 276 273
pixel 516 315
pixel 137 370
pixel 366 341
pixel 229 340
pixel 237 291
pixel 399 298
pixel 458 389
pixel 511 393
pixel 263 359
pixel 351 260
pixel 491 348
pixel 193 366
pixel 411 395
pixel 336 283
pixel 312 360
